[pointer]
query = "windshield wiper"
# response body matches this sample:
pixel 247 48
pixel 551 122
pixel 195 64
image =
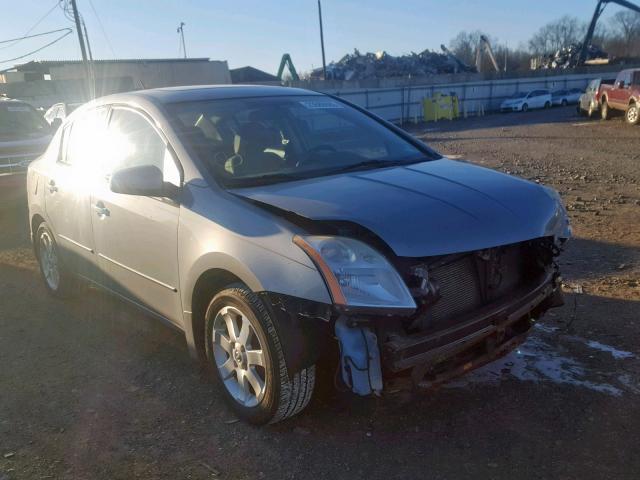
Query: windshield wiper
pixel 262 179
pixel 375 163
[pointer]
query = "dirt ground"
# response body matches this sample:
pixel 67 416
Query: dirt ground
pixel 92 389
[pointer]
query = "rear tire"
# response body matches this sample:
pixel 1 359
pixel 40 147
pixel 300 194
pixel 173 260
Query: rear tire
pixel 249 365
pixel 58 280
pixel 604 111
pixel 564 102
pixel 632 115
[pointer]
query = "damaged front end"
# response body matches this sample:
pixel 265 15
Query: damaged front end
pixel 470 309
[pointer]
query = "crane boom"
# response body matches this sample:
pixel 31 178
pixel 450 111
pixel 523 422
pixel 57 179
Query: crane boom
pixel 483 43
pixel 592 26
pixel 460 65
pixel 287 62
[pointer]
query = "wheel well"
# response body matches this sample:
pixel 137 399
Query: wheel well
pixel 210 282
pixel 35 223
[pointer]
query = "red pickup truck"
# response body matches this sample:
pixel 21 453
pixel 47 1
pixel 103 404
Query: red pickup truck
pixel 623 95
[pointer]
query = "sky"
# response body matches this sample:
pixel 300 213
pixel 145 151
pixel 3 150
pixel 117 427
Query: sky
pixel 258 32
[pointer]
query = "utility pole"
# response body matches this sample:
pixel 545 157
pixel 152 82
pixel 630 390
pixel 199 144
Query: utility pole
pixel 324 63
pixel 85 62
pixel 506 52
pixel 92 76
pixel 181 32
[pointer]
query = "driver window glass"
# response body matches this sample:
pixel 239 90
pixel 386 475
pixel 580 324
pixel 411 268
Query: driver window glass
pixel 83 140
pixel 133 142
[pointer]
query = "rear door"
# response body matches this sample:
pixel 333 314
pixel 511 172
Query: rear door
pixel 68 195
pixel 136 236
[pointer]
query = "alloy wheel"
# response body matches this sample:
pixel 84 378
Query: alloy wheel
pixel 239 356
pixel 632 115
pixel 49 260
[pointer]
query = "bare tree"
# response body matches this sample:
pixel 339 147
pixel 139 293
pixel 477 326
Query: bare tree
pixel 624 34
pixel 557 34
pixel 464 46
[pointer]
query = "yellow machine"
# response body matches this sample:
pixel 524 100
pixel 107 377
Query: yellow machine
pixel 440 107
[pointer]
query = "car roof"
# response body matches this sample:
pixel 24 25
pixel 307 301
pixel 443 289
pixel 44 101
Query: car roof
pixel 211 92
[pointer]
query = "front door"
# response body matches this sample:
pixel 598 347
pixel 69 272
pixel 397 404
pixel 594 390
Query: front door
pixel 619 95
pixel 136 236
pixel 68 196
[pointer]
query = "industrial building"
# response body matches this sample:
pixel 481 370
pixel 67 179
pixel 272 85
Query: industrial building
pixel 43 83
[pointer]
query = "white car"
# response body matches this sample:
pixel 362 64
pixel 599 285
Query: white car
pixel 567 96
pixel 523 101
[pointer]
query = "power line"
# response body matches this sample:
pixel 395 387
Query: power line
pixel 34 35
pixel 33 27
pixel 104 32
pixel 66 30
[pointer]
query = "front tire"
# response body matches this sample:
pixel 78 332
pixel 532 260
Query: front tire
pixel 547 105
pixel 58 281
pixel 604 111
pixel 632 115
pixel 248 359
pixel 591 110
pixel 525 107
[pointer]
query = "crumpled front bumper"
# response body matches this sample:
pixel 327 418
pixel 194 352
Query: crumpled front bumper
pixel 487 334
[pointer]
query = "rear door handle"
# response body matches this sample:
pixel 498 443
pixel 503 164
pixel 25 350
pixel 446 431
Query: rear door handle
pixel 52 186
pixel 101 210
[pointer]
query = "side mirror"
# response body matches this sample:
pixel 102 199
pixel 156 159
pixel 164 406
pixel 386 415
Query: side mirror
pixel 621 84
pixel 144 180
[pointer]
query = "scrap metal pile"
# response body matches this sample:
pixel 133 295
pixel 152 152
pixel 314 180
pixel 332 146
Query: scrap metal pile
pixel 357 66
pixel 568 57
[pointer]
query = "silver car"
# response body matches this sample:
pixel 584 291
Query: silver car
pixel 272 224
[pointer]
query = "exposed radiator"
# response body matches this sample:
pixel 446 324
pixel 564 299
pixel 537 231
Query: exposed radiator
pixel 469 282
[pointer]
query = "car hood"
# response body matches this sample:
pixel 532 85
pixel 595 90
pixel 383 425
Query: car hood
pixel 34 146
pixel 425 209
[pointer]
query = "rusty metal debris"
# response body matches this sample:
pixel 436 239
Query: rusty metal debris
pixel 358 66
pixel 569 57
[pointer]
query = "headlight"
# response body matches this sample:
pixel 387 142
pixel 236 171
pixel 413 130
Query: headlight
pixel 356 275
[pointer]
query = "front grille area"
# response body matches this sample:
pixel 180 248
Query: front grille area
pixel 457 285
pixel 458 288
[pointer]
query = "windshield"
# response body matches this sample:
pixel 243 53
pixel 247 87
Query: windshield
pixel 20 121
pixel 246 141
pixel 519 95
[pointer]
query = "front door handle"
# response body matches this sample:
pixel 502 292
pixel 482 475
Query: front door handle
pixel 101 210
pixel 52 186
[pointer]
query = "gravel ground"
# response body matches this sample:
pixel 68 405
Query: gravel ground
pixel 93 389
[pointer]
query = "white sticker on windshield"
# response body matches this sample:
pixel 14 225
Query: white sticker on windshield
pixel 17 109
pixel 315 104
